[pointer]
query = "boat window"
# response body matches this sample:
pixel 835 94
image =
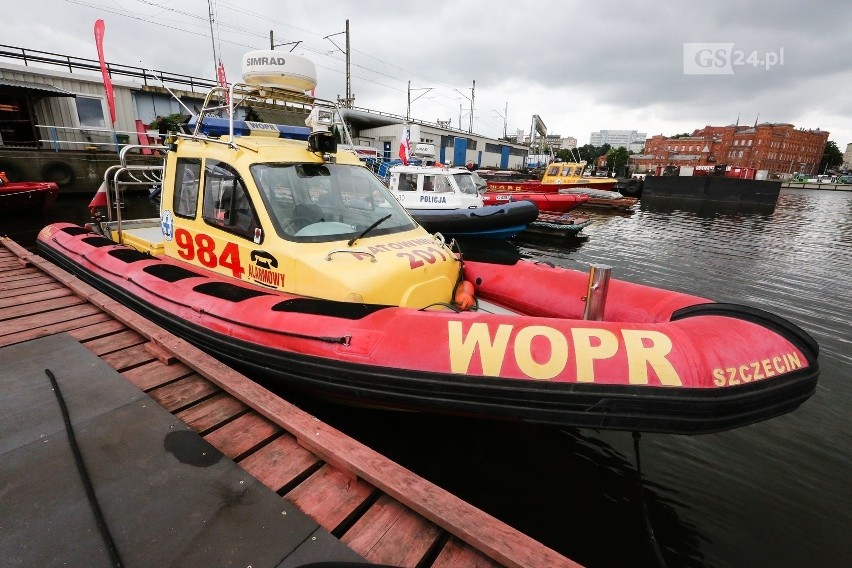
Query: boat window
pixel 578 171
pixel 187 184
pixel 567 171
pixel 553 171
pixel 429 183
pixel 466 183
pixel 407 182
pixel 226 201
pixel 326 202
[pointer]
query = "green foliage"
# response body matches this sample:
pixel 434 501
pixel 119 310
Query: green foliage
pixel 173 121
pixel 831 157
pixel 617 158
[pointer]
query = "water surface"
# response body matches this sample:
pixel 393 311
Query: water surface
pixel 777 493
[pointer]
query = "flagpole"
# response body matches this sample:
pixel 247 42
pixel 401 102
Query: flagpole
pixel 212 39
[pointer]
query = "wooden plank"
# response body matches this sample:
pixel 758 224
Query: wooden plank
pixel 115 342
pixel 34 296
pixel 183 392
pixel 390 533
pixel 97 330
pixel 19 284
pixel 154 374
pixel 12 274
pixel 456 554
pixel 242 435
pixel 330 496
pixel 51 285
pixel 126 358
pixel 10 263
pixel 46 306
pixel 24 329
pixel 212 412
pixel 280 462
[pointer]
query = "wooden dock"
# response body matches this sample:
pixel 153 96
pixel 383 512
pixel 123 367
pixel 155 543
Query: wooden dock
pixel 378 509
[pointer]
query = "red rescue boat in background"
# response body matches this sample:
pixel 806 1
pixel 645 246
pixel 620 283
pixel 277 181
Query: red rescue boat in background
pixel 26 196
pixel 546 202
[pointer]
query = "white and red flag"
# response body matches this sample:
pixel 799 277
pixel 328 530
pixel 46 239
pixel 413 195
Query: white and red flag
pixel 99 200
pixel 405 145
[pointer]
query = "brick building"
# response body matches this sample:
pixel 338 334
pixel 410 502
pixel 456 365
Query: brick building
pixel 779 148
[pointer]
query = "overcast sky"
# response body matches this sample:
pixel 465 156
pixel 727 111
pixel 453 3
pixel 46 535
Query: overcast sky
pixel 581 66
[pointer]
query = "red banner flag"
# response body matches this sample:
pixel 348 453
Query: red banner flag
pixel 223 82
pixel 110 95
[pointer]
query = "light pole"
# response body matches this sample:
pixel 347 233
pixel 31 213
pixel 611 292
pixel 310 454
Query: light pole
pixel 349 97
pixel 470 98
pixel 408 111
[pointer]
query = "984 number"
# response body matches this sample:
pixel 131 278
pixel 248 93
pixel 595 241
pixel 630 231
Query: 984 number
pixel 203 248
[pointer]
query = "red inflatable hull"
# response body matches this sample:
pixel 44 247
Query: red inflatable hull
pixel 662 361
pixel 546 202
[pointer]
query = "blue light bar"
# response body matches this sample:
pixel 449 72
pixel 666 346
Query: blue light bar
pixel 213 126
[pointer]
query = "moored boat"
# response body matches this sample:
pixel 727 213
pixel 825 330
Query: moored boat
pixel 602 198
pixel 447 200
pixel 566 225
pixel 26 196
pixel 558 175
pixel 275 255
pixel 546 202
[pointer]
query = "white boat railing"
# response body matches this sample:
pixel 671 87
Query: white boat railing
pixel 59 138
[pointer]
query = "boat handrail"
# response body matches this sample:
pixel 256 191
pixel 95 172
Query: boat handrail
pixel 54 141
pixel 239 94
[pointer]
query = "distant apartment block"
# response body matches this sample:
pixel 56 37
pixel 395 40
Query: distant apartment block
pixel 630 139
pixel 569 143
pixel 776 147
pixel 847 157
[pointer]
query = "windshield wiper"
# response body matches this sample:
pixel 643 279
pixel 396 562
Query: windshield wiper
pixel 370 228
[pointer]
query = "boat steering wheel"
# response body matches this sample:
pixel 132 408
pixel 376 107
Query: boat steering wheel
pixel 296 224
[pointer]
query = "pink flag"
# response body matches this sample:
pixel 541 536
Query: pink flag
pixel 99 200
pixel 99 42
pixel 405 145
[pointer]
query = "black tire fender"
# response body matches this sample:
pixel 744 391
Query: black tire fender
pixel 58 172
pixel 633 188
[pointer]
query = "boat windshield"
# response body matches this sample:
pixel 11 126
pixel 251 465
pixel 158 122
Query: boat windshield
pixel 327 202
pixel 466 183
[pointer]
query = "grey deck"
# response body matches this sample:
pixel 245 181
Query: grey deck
pixel 168 497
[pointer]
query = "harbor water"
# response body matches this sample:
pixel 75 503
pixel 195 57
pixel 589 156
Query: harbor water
pixel 776 493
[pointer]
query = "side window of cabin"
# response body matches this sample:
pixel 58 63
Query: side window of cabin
pixel 553 171
pixel 578 171
pixel 567 171
pixel 428 183
pixel 407 182
pixel 187 183
pixel 442 184
pixel 226 201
